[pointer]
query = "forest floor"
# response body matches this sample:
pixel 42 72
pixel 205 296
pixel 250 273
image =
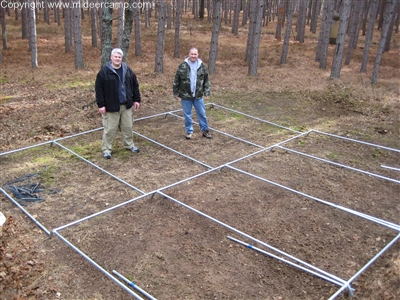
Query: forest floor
pixel 177 243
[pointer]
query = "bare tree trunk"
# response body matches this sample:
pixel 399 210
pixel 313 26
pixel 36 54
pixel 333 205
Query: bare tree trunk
pixel 146 17
pixel 25 22
pixel 287 33
pixel 236 12
pixel 278 31
pixel 78 48
pixel 93 23
pixel 67 28
pixel 159 59
pixel 178 18
pixel 256 22
pixel 325 33
pixel 106 32
pixel 301 21
pixel 129 15
pixel 121 24
pixel 340 40
pixel 32 35
pixel 138 33
pixel 169 15
pixel 3 27
pixel 391 25
pixel 368 37
pixel 314 16
pixel 212 59
pixel 387 18
pixel 354 28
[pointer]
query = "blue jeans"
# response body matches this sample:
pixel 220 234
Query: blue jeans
pixel 200 111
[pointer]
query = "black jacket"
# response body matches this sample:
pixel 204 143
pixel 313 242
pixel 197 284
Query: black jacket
pixel 107 88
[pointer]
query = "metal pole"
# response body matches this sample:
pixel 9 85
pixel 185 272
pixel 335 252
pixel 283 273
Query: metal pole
pixel 340 283
pixel 390 168
pixel 250 237
pixel 366 266
pixel 356 141
pixel 132 284
pixel 339 165
pixel 258 119
pixel 161 145
pixel 354 212
pixel 25 211
pixel 97 266
pixel 101 169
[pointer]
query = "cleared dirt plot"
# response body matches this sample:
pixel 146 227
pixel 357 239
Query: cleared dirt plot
pixel 193 259
pixel 337 185
pixel 154 167
pixel 369 157
pixel 72 189
pixel 213 153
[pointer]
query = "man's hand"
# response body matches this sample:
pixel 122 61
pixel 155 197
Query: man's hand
pixel 136 105
pixel 102 110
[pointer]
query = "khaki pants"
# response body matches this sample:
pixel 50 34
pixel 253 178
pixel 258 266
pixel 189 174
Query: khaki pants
pixel 113 121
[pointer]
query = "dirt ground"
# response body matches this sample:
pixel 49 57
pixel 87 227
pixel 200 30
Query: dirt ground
pixel 180 236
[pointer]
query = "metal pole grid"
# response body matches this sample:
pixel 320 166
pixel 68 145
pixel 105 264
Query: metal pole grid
pixel 250 246
pixel 390 225
pixel 338 164
pixel 252 117
pixel 170 149
pixel 101 269
pixel 224 133
pixel 254 239
pixel 101 169
pixel 379 254
pixel 356 141
pixel 354 212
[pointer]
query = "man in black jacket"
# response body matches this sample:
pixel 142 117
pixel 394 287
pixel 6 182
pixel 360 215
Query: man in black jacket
pixel 117 91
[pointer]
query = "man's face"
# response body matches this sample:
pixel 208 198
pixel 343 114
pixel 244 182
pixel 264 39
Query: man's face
pixel 116 60
pixel 193 55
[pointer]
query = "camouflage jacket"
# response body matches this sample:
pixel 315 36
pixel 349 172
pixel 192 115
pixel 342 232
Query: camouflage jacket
pixel 181 85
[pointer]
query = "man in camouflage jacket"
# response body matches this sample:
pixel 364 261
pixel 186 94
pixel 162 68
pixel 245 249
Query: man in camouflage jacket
pixel 190 85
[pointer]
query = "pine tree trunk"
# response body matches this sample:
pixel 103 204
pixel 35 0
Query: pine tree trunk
pixel 121 24
pixel 78 47
pixel 212 59
pixel 391 25
pixel 287 33
pixel 256 22
pixel 159 59
pixel 278 31
pixel 67 28
pixel 169 16
pixel 301 21
pixel 387 18
pixel 93 25
pixel 129 16
pixel 340 40
pixel 25 23
pixel 369 32
pixel 32 35
pixel 236 12
pixel 3 27
pixel 326 35
pixel 106 32
pixel 138 33
pixel 354 29
pixel 178 18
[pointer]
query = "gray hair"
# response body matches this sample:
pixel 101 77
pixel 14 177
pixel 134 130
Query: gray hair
pixel 117 50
